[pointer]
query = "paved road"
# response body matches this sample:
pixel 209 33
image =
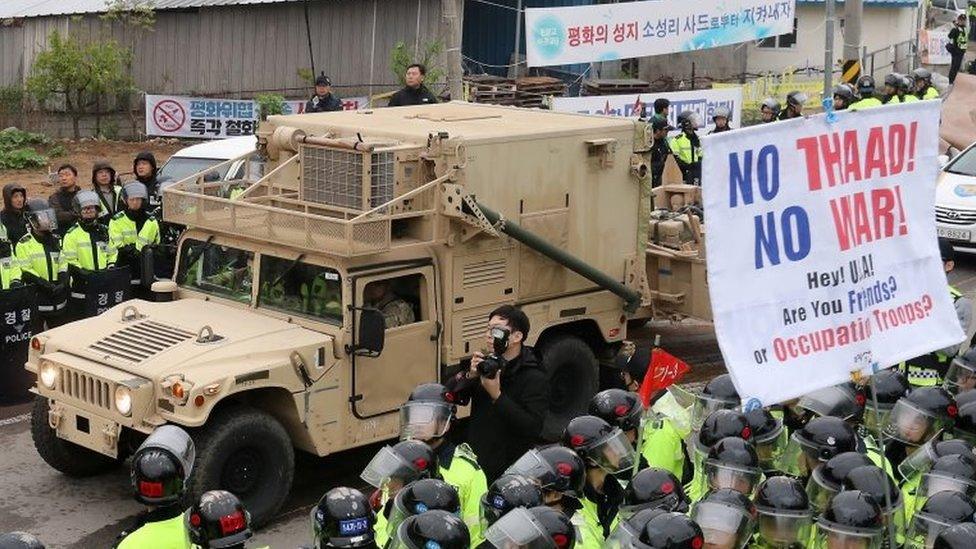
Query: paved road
pixel 90 512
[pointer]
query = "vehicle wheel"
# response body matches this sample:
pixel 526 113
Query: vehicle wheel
pixel 573 380
pixel 637 323
pixel 246 452
pixel 66 457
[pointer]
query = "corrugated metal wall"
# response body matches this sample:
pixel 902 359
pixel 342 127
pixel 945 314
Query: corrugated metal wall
pixel 246 49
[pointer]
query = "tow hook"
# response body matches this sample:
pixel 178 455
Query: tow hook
pixel 54 415
pixel 111 434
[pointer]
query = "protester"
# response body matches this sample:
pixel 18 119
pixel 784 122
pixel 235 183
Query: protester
pixel 323 100
pixel 106 186
pixel 12 216
pixel 62 200
pixel 923 84
pixel 415 92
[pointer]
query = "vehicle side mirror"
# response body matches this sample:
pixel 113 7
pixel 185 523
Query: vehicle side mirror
pixel 164 290
pixel 211 177
pixel 943 160
pixel 371 334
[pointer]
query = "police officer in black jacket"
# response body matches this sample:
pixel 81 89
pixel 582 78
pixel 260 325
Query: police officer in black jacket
pixel 660 149
pixel 414 93
pixel 508 406
pixel 323 100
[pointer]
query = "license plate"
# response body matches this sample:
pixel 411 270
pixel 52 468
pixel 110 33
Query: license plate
pixel 87 430
pixel 954 234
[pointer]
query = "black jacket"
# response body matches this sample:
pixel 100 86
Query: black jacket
pixel 150 181
pixel 12 218
pixel 412 96
pixel 953 39
pixel 659 158
pixel 323 104
pixel 500 432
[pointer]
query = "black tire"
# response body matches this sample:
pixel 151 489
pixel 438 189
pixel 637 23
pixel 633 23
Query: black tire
pixel 66 457
pixel 246 452
pixel 573 380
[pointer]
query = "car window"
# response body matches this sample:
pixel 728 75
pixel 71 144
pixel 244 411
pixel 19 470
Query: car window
pixel 299 288
pixel 397 298
pixel 177 168
pixel 218 270
pixel 964 164
pixel 944 4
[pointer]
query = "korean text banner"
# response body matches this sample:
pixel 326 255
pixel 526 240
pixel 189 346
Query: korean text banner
pixel 176 116
pixel 932 46
pixel 822 250
pixel 604 32
pixel 703 102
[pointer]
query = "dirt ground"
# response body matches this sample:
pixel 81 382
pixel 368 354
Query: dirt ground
pixel 82 154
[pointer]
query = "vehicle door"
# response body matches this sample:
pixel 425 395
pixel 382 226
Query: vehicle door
pixel 407 299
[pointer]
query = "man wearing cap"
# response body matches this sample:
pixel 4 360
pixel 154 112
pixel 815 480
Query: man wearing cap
pixel 323 100
pixel 660 149
pixel 928 370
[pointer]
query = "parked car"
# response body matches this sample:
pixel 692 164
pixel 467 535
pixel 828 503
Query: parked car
pixel 943 12
pixel 955 200
pixel 199 157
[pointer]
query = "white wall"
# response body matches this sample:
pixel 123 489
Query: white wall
pixel 881 26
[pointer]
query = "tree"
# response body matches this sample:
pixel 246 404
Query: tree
pixel 83 77
pixel 401 58
pixel 138 13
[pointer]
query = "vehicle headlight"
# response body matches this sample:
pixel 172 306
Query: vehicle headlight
pixel 49 374
pixel 123 400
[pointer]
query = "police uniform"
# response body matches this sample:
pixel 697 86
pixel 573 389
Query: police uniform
pixel 662 445
pixel 927 370
pixel 9 272
pixel 160 529
pixel 86 251
pixel 866 103
pixel 930 93
pixel 396 311
pixel 459 468
pixel 125 231
pixel 47 264
pixel 689 156
pixel 599 512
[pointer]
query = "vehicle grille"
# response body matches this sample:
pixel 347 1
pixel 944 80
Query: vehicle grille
pixel 88 389
pixel 141 341
pixel 338 178
pixel 953 216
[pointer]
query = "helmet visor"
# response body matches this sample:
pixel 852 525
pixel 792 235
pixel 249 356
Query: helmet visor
pixel 705 405
pixel 671 502
pixel 424 420
pixel 779 528
pixel 623 536
pixel 925 528
pixel 832 401
pixel 43 220
pixel 176 442
pixel 740 479
pixel 771 447
pixel 918 462
pixel 385 465
pixel 818 491
pixel 875 419
pixel 490 510
pixel 614 453
pixel 723 525
pixel 934 482
pixel 801 457
pixel 402 539
pixel 960 377
pixel 831 534
pixel 533 466
pixel 910 424
pixel 519 528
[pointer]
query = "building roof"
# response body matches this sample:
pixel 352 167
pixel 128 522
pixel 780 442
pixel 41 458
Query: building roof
pixel 41 8
pixel 875 3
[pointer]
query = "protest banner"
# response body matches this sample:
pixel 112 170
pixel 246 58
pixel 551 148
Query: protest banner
pixel 604 32
pixel 932 46
pixel 703 102
pixel 208 118
pixel 822 251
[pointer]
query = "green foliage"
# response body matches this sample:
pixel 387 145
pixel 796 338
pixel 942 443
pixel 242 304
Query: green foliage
pixel 138 13
pixel 56 150
pixel 429 56
pixel 306 75
pixel 11 99
pixel 83 75
pixel 270 104
pixel 17 150
pixel 13 138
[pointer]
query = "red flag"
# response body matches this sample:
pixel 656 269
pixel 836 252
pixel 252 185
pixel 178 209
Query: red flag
pixel 662 372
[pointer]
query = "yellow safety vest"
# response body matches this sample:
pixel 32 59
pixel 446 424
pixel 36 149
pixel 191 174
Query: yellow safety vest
pixel 39 262
pixel 930 93
pixel 962 39
pixel 684 151
pixel 165 534
pixel 466 476
pixel 9 272
pixel 662 446
pixel 920 375
pixel 123 231
pixel 866 103
pixel 909 98
pixel 82 251
pixel 589 529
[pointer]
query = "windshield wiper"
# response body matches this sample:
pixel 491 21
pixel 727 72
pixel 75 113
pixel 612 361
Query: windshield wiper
pixel 287 270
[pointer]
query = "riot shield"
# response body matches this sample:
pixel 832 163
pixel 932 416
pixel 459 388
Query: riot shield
pixel 94 292
pixel 18 314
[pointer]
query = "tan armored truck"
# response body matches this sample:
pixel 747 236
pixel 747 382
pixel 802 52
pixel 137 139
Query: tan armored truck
pixel 309 302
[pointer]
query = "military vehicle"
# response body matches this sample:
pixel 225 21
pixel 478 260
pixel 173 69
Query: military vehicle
pixel 365 261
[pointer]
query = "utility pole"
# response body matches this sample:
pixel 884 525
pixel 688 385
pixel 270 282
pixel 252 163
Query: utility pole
pixel 828 78
pixel 451 30
pixel 518 39
pixel 853 14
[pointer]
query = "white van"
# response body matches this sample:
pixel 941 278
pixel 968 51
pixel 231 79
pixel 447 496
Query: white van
pixel 197 158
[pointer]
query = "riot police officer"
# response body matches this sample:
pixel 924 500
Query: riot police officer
pixel 419 497
pixel 890 96
pixel 556 525
pixel 866 89
pixel 827 479
pixel 628 531
pixel 961 375
pixel 535 527
pixel 965 424
pixel 726 517
pixel 957 536
pixel 816 442
pixel 843 96
pixel 718 394
pixel 41 262
pixel 660 441
pixel 686 147
pixel 87 250
pixel 653 488
pixel 672 531
pixel 844 401
pixel 917 418
pixel 132 229
pixel 851 519
pixel 721 118
pixel 784 516
pixel 394 467
pixel 732 463
pixel 218 520
pixel 904 89
pixel 718 425
pixel 871 480
pixel 505 494
pixel 436 528
pixel 427 416
pixel 956 473
pixel 343 518
pixel 769 436
pixel 923 84
pixel 559 471
pixel 160 470
pixel 795 100
pixel 10 273
pixel 769 110
pixel 885 388
pixel 940 511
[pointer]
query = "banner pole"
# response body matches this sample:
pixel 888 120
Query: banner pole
pixel 647 411
pixel 892 541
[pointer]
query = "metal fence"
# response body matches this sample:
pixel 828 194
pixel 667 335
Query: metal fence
pixel 901 57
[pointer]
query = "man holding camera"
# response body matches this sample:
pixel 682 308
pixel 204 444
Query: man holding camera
pixel 508 391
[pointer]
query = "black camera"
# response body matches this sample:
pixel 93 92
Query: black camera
pixel 493 363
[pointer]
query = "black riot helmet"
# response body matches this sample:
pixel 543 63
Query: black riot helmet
pixel 40 216
pixel 965 425
pixel 557 525
pixel 717 394
pixel 872 480
pixel 769 435
pixel 653 488
pixel 921 460
pixel 828 478
pixel 599 444
pixel 772 106
pixel 689 121
pixel 404 462
pixel 957 536
pixel 892 79
pixel 672 531
pixel 555 468
pixel 732 463
pixel 852 514
pixel 941 510
pixel 725 515
pixel 845 401
pixel 866 86
pixel 964 398
pixel 628 531
pixel 783 510
pixel 420 497
pixel 921 415
pixel 782 493
pixel 343 518
pixel 721 424
pixel 618 407
pixel 888 386
pixel 428 412
pixel 507 493
pixel 162 465
pixel 961 376
pixel 537 528
pixel 955 473
pixel 19 540
pixel 845 94
pixel 436 528
pixel 824 437
pixel 218 519
pixel 922 74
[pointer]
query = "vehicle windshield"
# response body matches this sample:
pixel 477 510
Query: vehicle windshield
pixel 294 287
pixel 217 270
pixel 177 168
pixel 964 164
